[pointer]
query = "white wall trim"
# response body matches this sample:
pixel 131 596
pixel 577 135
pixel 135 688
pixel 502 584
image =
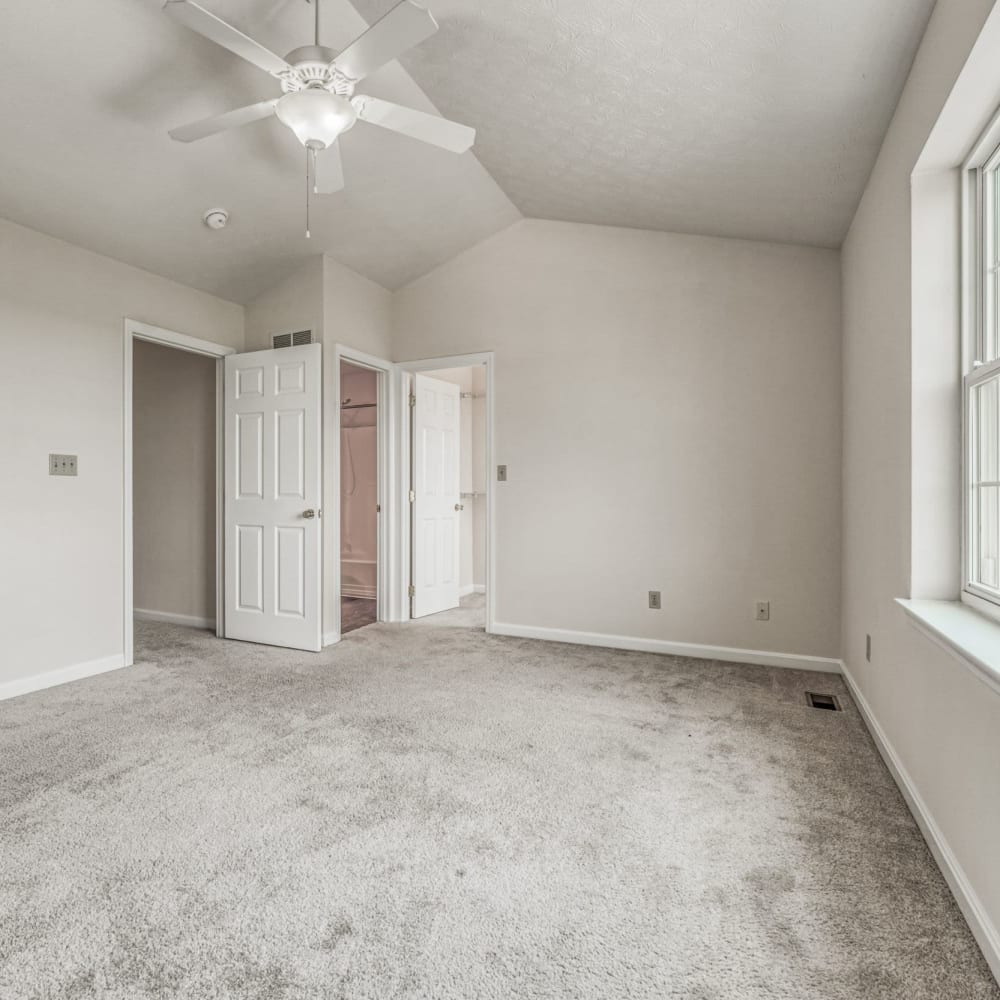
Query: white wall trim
pixel 472 588
pixel 666 646
pixel 188 621
pixel 330 639
pixel 969 903
pixel 359 593
pixel 62 675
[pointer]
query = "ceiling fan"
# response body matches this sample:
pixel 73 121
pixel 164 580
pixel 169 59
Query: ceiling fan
pixel 319 103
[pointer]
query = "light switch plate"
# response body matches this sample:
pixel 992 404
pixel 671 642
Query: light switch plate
pixel 62 465
pixel 501 473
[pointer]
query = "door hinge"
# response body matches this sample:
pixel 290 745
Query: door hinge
pixel 413 591
pixel 413 496
pixel 413 400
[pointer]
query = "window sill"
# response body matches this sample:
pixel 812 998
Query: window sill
pixel 972 637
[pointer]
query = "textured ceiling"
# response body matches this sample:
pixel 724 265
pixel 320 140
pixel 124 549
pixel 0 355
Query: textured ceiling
pixel 749 118
pixel 752 118
pixel 90 89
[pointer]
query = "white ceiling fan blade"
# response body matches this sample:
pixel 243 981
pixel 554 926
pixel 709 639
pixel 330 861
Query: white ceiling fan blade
pixel 215 29
pixel 328 171
pixel 406 25
pixel 219 123
pixel 416 124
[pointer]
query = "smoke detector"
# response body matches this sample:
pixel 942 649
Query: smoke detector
pixel 215 218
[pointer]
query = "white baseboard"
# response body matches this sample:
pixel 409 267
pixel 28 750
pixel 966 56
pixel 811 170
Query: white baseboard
pixel 969 903
pixel 755 656
pixel 362 593
pixel 472 588
pixel 189 621
pixel 62 675
pixel 330 639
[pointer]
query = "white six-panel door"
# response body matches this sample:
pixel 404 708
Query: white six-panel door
pixel 436 430
pixel 273 497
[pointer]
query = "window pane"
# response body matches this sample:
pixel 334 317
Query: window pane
pixel 987 432
pixel 993 219
pixel 989 536
pixel 984 511
pixel 989 348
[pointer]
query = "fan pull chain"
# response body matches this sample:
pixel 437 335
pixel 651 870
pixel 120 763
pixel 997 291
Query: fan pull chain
pixel 312 153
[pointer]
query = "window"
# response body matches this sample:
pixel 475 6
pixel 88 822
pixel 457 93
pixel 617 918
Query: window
pixel 982 385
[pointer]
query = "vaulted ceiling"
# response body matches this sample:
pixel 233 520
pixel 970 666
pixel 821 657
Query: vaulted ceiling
pixel 749 118
pixel 92 86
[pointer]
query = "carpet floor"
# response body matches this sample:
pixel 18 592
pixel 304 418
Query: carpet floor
pixel 355 613
pixel 433 812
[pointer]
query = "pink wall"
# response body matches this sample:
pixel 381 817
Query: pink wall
pixel 358 482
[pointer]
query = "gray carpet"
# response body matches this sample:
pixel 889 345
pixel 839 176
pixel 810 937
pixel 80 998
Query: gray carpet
pixel 432 812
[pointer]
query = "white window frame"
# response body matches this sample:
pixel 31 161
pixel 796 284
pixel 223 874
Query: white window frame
pixel 980 230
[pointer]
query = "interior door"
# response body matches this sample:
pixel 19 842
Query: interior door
pixel 273 497
pixel 436 429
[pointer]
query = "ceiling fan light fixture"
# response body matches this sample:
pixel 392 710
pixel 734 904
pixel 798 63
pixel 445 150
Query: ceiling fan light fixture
pixel 316 116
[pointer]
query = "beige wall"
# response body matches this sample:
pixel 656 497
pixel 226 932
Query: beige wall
pixel 943 723
pixel 357 312
pixel 295 303
pixel 61 322
pixel 173 476
pixel 669 410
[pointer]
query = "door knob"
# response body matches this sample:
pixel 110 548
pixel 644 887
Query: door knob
pixel 459 506
pixel 309 513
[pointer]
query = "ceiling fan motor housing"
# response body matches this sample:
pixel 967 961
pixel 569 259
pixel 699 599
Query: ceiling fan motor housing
pixel 312 68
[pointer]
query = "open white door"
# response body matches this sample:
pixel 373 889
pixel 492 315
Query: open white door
pixel 273 497
pixel 436 502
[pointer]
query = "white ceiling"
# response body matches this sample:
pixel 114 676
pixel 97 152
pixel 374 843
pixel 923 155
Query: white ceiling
pixel 90 89
pixel 752 118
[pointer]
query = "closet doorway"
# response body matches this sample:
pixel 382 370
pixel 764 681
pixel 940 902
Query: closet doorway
pixel 359 496
pixel 172 480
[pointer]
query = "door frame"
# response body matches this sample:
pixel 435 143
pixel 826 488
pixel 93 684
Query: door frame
pixel 135 330
pixel 402 428
pixel 386 565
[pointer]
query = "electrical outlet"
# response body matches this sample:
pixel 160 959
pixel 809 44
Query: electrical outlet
pixel 62 465
pixel 763 611
pixel 654 600
pixel 868 648
pixel 501 473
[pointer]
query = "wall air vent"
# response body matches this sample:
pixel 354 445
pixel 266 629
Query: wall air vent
pixel 292 339
pixel 828 702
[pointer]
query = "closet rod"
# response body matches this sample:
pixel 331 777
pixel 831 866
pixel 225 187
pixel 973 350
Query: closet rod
pixel 356 406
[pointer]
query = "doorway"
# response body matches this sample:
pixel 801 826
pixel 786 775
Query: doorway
pixel 359 496
pixel 173 485
pixel 172 480
pixel 450 491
